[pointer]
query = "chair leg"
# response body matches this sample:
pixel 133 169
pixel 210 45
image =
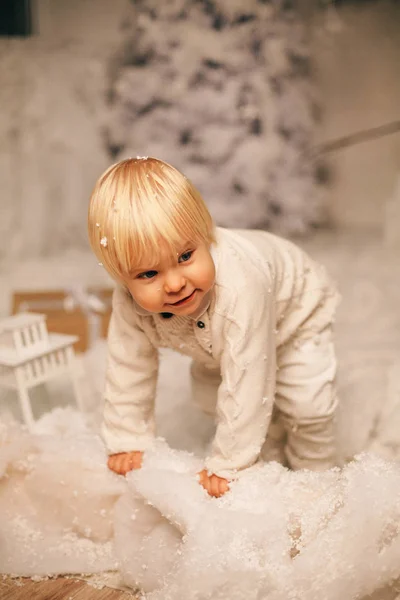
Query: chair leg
pixel 24 401
pixel 72 368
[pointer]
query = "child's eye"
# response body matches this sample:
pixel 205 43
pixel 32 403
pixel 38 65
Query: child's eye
pixel 185 256
pixel 147 275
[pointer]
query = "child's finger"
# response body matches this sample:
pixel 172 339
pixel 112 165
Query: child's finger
pixel 131 462
pixel 111 463
pixel 214 487
pixel 223 487
pixel 202 477
pixel 206 483
pixel 119 464
pixel 116 463
pixel 126 465
pixel 204 480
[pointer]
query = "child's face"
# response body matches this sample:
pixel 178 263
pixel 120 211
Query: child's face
pixel 175 285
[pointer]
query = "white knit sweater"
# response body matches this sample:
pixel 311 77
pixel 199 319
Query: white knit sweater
pixel 267 292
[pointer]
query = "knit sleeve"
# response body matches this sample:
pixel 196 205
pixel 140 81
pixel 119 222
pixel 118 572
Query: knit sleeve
pixel 131 378
pixel 246 394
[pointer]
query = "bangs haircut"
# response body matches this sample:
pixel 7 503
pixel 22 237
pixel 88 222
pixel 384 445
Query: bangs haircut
pixel 141 209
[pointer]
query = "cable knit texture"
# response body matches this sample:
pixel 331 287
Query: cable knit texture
pixel 267 294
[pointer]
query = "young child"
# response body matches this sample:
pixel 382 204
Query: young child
pixel 253 311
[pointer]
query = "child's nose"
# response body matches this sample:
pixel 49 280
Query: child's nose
pixel 174 282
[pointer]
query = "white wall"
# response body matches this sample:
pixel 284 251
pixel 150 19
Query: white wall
pixel 359 73
pixel 52 105
pixel 95 21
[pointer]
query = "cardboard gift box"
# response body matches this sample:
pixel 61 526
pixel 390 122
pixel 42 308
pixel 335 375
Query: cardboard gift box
pixel 81 312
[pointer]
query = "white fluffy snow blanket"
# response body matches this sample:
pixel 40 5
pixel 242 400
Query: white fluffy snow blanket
pixel 62 511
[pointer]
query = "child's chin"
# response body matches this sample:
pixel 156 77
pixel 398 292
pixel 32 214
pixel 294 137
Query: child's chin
pixel 183 311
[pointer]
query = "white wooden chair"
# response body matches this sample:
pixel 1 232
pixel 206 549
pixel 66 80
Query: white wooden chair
pixel 29 355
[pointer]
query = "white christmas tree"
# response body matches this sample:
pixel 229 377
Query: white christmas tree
pixel 222 90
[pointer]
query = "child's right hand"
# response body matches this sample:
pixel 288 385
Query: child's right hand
pixel 123 462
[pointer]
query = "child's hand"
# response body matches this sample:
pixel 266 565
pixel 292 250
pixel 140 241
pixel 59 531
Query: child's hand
pixel 214 485
pixel 124 462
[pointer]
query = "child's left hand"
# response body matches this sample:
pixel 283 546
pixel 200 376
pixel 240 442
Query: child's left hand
pixel 214 485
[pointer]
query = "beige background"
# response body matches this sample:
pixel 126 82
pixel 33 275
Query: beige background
pixel 358 68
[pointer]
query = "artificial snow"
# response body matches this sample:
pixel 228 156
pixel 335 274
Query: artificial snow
pixel 276 535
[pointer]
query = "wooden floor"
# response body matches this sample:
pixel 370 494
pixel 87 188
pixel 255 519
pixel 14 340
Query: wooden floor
pixel 57 589
pixel 72 589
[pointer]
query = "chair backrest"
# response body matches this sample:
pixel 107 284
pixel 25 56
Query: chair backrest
pixel 23 331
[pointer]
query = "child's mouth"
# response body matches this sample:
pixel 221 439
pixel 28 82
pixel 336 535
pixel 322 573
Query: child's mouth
pixel 184 300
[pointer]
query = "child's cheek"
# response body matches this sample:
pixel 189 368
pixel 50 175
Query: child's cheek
pixel 206 276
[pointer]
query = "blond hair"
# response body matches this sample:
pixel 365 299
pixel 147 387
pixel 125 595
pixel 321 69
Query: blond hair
pixel 139 206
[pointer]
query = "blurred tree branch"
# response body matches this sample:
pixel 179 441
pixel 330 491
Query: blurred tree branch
pixel 359 137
